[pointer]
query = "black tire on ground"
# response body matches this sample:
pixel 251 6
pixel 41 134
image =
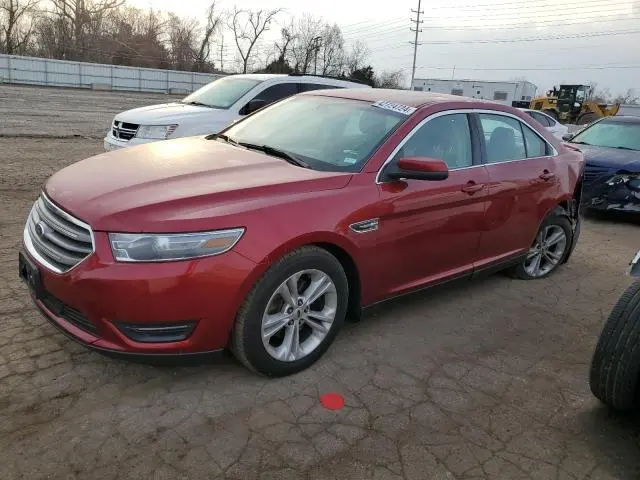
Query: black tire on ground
pixel 615 367
pixel 246 337
pixel 557 217
pixel 587 118
pixel 552 113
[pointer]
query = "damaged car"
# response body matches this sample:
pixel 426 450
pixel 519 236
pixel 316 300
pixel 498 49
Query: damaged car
pixel 611 148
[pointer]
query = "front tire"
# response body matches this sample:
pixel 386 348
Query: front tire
pixel 615 367
pixel 587 118
pixel 549 250
pixel 292 314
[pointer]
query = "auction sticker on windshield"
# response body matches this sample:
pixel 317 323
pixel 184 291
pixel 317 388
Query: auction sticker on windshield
pixel 395 107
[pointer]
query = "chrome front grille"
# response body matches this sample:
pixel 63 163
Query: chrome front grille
pixel 123 130
pixel 56 239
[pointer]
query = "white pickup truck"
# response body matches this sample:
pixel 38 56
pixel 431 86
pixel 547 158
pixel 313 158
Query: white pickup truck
pixel 212 107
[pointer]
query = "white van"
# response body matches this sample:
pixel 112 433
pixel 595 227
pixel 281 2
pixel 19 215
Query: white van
pixel 212 107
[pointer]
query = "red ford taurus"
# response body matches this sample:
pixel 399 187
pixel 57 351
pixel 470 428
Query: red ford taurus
pixel 264 237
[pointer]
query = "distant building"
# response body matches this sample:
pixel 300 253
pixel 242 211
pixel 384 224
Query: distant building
pixel 502 92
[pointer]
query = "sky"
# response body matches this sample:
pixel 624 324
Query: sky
pixel 544 41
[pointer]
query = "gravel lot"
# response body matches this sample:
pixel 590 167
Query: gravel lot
pixel 482 380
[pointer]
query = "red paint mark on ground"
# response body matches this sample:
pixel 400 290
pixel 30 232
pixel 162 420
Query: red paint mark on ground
pixel 332 401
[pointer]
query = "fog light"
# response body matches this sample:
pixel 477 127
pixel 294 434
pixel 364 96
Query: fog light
pixel 157 333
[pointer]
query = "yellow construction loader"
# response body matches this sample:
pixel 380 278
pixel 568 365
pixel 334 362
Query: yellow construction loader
pixel 570 104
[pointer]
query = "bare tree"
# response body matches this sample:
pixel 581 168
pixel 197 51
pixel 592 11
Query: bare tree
pixel 204 52
pixel 630 98
pixel 183 35
pixel 308 39
pixel 17 23
pixel 357 57
pixel 600 95
pixel 390 79
pixel 332 50
pixel 79 14
pixel 248 26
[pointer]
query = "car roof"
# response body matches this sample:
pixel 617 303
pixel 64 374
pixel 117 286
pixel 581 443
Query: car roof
pixel 410 98
pixel 294 77
pixel 623 119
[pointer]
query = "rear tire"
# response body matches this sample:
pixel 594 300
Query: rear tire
pixel 555 228
pixel 615 367
pixel 280 329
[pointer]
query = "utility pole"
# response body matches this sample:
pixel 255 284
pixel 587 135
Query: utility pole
pixel 418 22
pixel 317 41
pixel 221 53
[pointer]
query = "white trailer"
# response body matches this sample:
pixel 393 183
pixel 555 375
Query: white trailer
pixel 502 92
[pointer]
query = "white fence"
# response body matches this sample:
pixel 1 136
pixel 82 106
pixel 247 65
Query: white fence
pixel 63 73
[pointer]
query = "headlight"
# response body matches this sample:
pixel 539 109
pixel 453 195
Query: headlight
pixel 146 247
pixel 156 132
pixel 620 178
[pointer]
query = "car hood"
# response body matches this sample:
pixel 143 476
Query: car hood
pixel 185 184
pixel 166 113
pixel 612 158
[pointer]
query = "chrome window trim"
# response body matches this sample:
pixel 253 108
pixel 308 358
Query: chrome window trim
pixel 554 152
pixel 26 238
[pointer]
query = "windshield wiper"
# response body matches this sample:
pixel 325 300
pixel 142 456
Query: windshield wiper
pixel 224 137
pixel 626 148
pixel 581 143
pixel 276 152
pixel 198 104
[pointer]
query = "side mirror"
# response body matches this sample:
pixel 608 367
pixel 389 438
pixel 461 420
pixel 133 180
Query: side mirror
pixel 419 168
pixel 253 105
pixel 567 137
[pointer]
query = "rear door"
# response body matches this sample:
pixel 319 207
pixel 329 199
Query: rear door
pixel 523 185
pixel 430 230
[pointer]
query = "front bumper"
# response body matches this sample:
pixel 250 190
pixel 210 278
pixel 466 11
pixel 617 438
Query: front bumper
pixel 111 143
pixel 621 198
pixel 88 302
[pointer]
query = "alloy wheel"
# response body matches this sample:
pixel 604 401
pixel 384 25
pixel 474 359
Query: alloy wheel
pixel 547 252
pixel 299 315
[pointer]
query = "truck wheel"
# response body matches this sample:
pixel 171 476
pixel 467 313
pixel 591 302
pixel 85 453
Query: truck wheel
pixel 551 113
pixel 587 118
pixel 292 314
pixel 615 367
pixel 550 247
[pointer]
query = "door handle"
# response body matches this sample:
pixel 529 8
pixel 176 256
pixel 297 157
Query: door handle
pixel 547 175
pixel 472 187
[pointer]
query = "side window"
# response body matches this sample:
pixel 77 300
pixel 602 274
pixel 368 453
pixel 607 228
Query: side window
pixel 500 95
pixel 536 147
pixel 503 138
pixel 277 92
pixel 544 121
pixel 307 87
pixel 457 91
pixel 446 138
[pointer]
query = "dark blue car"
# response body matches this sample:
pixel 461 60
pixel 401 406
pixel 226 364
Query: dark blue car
pixel 611 149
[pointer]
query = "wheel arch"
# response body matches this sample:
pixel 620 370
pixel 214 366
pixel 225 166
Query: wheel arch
pixel 338 245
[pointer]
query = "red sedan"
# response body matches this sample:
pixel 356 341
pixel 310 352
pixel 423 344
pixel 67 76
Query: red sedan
pixel 264 237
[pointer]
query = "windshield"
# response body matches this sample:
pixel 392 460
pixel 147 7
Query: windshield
pixel 327 133
pixel 611 134
pixel 222 93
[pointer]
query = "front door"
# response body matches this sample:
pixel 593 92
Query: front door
pixel 523 185
pixel 430 230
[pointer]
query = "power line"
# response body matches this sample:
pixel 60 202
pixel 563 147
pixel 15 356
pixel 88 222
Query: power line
pixel 517 5
pixel 532 68
pixel 533 39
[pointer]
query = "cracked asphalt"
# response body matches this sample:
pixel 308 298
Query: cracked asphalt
pixel 482 380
